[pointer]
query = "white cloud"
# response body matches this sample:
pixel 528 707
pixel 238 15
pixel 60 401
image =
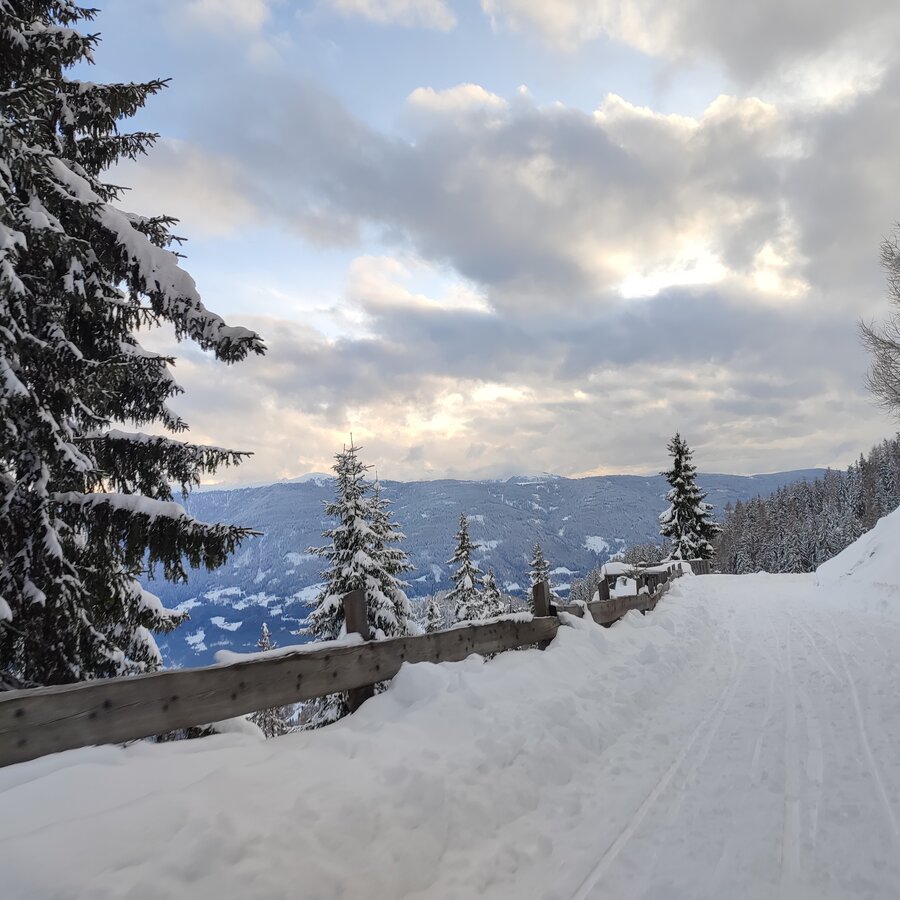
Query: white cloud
pixel 549 289
pixel 411 13
pixel 822 50
pixel 571 23
pixel 207 193
pixel 379 283
pixel 459 100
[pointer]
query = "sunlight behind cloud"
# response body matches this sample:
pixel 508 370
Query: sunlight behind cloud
pixel 378 283
pixel 456 100
pixel 695 265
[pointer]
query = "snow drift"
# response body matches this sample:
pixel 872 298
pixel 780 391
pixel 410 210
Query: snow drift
pixel 454 782
pixel 740 741
pixel 868 571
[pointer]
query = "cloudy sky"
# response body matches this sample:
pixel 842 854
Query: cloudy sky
pixel 519 236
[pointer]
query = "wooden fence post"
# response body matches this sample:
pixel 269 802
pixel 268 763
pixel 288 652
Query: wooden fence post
pixel 603 589
pixel 540 599
pixel 357 620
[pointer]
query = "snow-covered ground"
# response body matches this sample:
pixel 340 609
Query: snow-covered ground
pixel 739 742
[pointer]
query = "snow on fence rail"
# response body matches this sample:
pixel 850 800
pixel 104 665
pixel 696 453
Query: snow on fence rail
pixel 40 721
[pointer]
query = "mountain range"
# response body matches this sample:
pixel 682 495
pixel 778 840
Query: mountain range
pixel 580 523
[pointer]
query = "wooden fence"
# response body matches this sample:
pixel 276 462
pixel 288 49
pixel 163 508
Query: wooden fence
pixel 46 720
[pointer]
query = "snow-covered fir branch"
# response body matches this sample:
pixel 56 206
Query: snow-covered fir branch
pixel 85 504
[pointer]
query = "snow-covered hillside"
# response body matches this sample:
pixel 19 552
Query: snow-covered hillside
pixel 579 522
pixel 738 742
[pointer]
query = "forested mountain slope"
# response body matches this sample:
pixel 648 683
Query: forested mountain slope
pixel 580 523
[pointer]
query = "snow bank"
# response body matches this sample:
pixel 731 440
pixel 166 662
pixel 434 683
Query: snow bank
pixel 867 573
pixel 457 782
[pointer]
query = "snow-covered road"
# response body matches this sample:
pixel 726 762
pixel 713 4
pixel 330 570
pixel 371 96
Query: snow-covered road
pixel 772 770
pixel 739 742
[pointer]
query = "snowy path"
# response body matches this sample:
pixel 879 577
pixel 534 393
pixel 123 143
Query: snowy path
pixel 786 781
pixel 740 742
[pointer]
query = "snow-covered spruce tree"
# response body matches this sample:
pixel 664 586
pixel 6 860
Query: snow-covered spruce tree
pixel 85 507
pixel 434 616
pixel 393 562
pixel 493 601
pixel 539 567
pixel 465 595
pixel 583 589
pixel 275 721
pixel 350 567
pixel 687 523
pixel 648 554
pixel 362 555
pixel 803 524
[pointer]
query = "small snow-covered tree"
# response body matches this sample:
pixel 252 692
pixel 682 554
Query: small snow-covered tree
pixel 434 616
pixel 86 505
pixel 687 523
pixel 350 565
pixel 392 562
pixel 539 567
pixel 363 555
pixel 465 595
pixel 492 599
pixel 275 721
pixel 582 589
pixel 641 554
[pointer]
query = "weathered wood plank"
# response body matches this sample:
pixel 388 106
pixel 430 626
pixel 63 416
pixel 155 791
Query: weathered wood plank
pixel 605 612
pixel 47 720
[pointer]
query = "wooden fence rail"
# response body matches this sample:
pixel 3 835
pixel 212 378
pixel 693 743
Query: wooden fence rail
pixel 46 720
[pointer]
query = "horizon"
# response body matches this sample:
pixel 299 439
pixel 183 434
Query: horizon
pixel 313 476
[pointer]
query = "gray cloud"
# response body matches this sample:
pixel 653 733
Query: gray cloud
pixel 753 41
pixel 543 203
pixel 546 213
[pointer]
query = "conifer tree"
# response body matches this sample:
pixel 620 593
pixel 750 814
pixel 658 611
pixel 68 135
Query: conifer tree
pixel 363 554
pixel 583 589
pixel 85 508
pixel 539 567
pixel 493 601
pixel 347 554
pixel 395 617
pixel 465 595
pixel 803 524
pixel 275 721
pixel 434 617
pixel 687 523
pixel 350 567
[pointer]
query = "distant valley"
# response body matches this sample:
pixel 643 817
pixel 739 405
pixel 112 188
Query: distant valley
pixel 579 522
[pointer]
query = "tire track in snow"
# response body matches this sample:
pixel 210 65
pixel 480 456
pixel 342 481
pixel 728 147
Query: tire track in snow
pixel 712 720
pixel 874 769
pixel 815 754
pixel 818 651
pixel 767 717
pixel 790 836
